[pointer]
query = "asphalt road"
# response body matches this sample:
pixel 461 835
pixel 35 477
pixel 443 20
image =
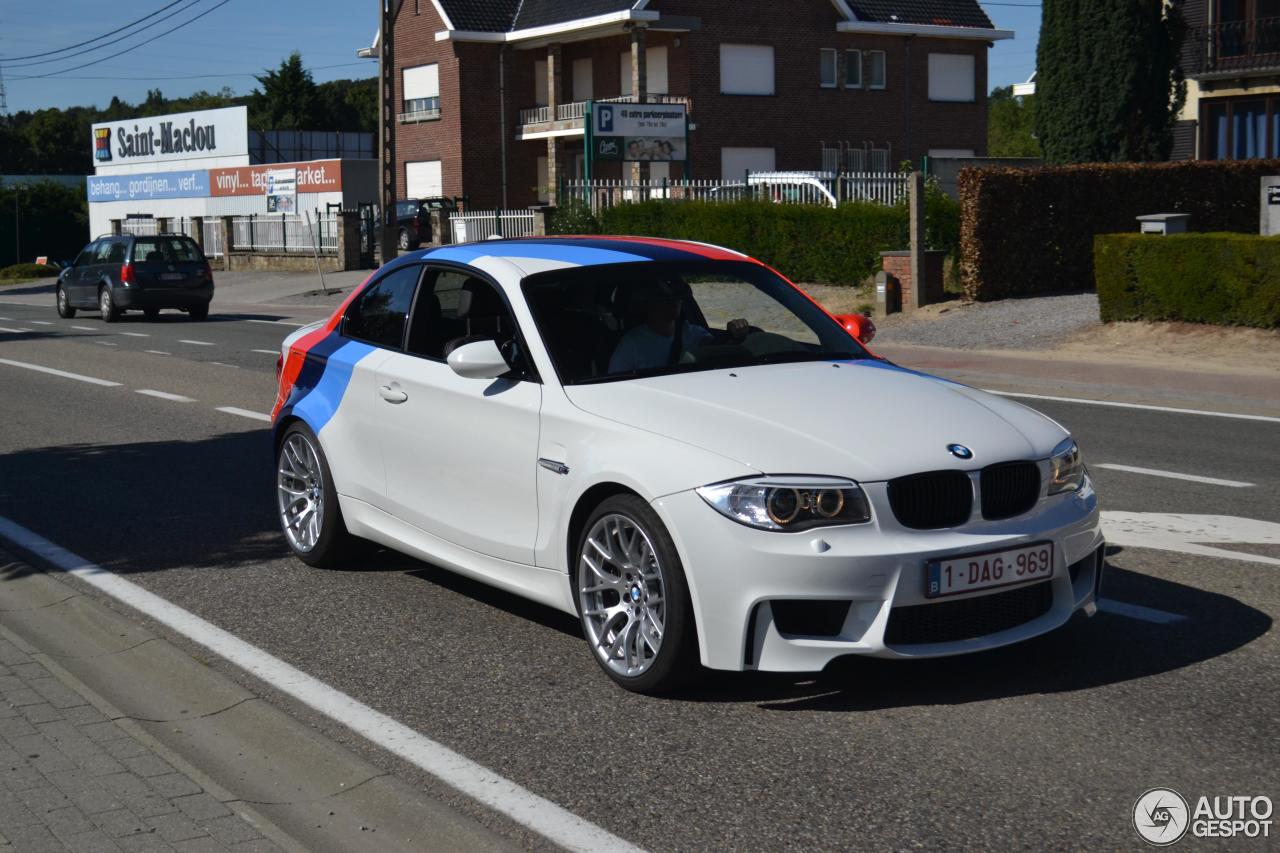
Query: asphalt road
pixel 1045 744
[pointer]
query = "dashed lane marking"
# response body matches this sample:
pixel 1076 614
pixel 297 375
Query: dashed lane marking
pixel 1173 475
pixel 52 371
pixel 156 351
pixel 165 395
pixel 1142 406
pixel 197 343
pixel 538 814
pixel 276 322
pixel 1194 534
pixel 40 322
pixel 17 331
pixel 267 351
pixel 85 328
pixel 245 413
pixel 106 344
pixel 136 334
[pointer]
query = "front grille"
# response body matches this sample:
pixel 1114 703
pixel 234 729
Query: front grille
pixel 967 618
pixel 932 500
pixel 1009 489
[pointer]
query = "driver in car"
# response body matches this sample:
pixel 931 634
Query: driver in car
pixel 650 343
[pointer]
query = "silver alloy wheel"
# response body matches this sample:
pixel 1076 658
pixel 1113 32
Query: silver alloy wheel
pixel 104 302
pixel 62 301
pixel 300 492
pixel 622 595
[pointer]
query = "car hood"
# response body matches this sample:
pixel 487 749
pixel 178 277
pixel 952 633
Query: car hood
pixel 867 420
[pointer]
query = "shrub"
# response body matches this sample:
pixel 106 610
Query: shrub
pixel 1226 279
pixel 54 221
pixel 1028 231
pixel 805 242
pixel 22 271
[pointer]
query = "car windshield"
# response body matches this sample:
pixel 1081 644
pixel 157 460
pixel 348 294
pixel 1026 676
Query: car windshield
pixel 624 321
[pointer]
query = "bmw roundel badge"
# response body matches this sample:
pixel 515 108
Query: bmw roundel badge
pixel 960 451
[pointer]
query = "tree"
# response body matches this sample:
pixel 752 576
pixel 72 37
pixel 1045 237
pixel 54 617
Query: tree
pixel 1108 88
pixel 1011 125
pixel 287 99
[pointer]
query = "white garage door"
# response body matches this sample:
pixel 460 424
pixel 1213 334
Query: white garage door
pixel 736 162
pixel 423 179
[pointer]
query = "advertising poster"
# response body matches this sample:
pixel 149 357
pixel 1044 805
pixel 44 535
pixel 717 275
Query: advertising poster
pixel 282 191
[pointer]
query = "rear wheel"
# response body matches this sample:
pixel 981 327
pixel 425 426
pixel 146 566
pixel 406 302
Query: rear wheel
pixel 65 310
pixel 199 312
pixel 308 502
pixel 632 598
pixel 151 313
pixel 402 241
pixel 107 306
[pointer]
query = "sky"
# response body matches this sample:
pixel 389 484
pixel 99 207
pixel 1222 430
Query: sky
pixel 242 37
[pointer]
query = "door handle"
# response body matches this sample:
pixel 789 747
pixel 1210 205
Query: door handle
pixel 392 393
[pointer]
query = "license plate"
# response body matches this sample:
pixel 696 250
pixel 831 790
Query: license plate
pixel 171 276
pixel 954 575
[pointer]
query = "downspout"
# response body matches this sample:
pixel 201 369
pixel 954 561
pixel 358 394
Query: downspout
pixel 502 118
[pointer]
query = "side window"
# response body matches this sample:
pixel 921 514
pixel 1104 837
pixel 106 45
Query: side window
pixel 378 316
pixel 456 308
pixel 86 255
pixel 116 251
pixel 102 253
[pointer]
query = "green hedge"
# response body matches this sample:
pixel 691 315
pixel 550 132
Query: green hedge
pixel 1028 231
pixel 1226 279
pixel 25 271
pixel 804 242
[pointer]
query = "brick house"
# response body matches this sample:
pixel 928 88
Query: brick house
pixel 492 92
pixel 1231 60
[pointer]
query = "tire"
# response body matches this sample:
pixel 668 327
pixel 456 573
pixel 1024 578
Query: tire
pixel 65 311
pixel 107 305
pixel 152 314
pixel 302 474
pixel 635 665
pixel 199 312
pixel 402 241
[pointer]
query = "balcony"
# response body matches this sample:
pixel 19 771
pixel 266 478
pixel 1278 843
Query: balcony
pixel 420 109
pixel 570 118
pixel 1234 49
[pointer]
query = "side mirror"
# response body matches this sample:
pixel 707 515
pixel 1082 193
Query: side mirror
pixel 860 326
pixel 478 360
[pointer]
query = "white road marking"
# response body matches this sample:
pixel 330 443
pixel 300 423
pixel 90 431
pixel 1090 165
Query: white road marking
pixel 245 413
pixel 224 364
pixel 267 351
pixel 1142 406
pixel 1185 534
pixel 276 322
pixel 85 328
pixel 551 821
pixel 7 319
pixel 136 334
pixel 165 395
pixel 1173 475
pixel 106 344
pixel 156 351
pixel 40 322
pixel 1137 611
pixel 64 374
pixel 197 343
pixel 13 331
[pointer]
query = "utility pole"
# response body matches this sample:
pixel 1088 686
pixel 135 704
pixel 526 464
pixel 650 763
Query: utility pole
pixel 387 10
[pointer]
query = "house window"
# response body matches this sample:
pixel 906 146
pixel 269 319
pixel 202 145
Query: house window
pixel 423 179
pixel 422 90
pixel 853 69
pixel 951 77
pixel 655 61
pixel 876 75
pixel 735 163
pixel 540 83
pixel 746 69
pixel 1240 128
pixel 582 80
pixel 827 68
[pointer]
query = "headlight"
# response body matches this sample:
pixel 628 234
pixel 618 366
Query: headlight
pixel 789 503
pixel 1066 468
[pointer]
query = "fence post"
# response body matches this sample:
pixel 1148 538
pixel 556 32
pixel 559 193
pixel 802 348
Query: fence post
pixel 497 222
pixel 540 222
pixel 284 232
pixel 197 225
pixel 228 239
pixel 252 245
pixel 915 215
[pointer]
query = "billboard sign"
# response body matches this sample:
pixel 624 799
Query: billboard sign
pixel 320 176
pixel 282 191
pixel 180 136
pixel 639 132
pixel 193 183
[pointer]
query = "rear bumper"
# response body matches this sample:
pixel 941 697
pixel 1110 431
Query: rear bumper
pixel 139 298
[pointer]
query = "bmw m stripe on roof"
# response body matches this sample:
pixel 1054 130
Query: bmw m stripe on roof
pixel 585 251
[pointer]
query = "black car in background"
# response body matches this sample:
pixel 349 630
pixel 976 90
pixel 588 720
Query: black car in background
pixel 413 218
pixel 144 273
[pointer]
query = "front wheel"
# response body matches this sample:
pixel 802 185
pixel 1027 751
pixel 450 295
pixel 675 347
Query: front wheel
pixel 308 502
pixel 65 311
pixel 107 306
pixel 632 598
pixel 402 241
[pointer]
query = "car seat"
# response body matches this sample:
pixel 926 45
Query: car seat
pixel 483 314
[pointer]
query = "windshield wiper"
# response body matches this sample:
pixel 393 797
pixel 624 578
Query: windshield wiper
pixel 802 355
pixel 639 373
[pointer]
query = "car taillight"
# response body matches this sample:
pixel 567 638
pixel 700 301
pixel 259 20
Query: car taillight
pixel 126 274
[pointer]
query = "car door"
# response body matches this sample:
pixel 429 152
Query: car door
pixel 74 281
pixel 461 454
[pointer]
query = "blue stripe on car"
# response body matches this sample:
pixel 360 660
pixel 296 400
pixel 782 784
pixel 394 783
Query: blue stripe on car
pixel 324 379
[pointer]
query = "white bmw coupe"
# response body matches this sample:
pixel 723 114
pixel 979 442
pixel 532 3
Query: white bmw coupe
pixel 674 443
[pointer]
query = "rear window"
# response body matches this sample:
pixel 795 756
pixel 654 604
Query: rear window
pixel 165 250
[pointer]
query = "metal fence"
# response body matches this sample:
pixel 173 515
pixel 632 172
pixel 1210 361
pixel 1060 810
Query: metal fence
pixel 284 233
pixel 140 226
pixel 211 236
pixel 828 189
pixel 487 224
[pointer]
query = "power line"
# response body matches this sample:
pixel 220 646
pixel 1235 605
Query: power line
pixel 363 63
pixel 157 22
pixel 90 41
pixel 213 8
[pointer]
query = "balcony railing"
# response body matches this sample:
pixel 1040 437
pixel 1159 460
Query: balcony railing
pixel 419 115
pixel 1233 47
pixel 574 112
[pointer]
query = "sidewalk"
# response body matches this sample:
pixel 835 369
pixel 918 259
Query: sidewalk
pixel 75 779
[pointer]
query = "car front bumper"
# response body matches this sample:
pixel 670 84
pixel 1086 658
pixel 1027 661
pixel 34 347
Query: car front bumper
pixel 143 298
pixel 775 601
